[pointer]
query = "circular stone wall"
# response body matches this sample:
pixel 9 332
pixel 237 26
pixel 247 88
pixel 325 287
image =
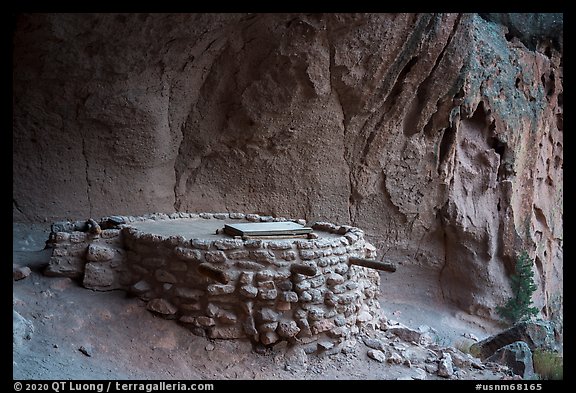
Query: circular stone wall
pixel 300 290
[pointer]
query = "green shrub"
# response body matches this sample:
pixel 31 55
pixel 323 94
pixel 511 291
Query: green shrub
pixel 463 346
pixel 474 350
pixel 519 307
pixel 548 364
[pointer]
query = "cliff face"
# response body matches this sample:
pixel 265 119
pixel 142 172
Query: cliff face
pixel 440 135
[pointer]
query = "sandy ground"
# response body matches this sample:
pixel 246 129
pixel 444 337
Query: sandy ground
pixel 412 296
pixel 84 334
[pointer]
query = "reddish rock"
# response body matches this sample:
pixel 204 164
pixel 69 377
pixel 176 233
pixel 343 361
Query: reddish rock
pixel 188 319
pixel 162 306
pixel 406 334
pixel 283 306
pixel 205 321
pixel 72 267
pixel 321 326
pixel 218 289
pixel 99 276
pixel 444 140
pixel 20 272
pixel 189 293
pixel 268 338
pixel 164 276
pixel 288 329
pixel 377 355
pixel 226 333
pixel 227 317
pixel 99 253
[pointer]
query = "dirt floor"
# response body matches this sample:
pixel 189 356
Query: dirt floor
pixel 76 333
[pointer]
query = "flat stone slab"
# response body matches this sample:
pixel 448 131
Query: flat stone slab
pixel 266 229
pixel 198 228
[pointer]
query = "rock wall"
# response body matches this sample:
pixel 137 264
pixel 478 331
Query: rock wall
pixel 440 135
pixel 304 291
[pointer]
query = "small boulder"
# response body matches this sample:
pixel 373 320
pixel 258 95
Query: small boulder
pixel 99 276
pixel 288 329
pixel 86 350
pixel 226 332
pixel 325 345
pixel 22 329
pixel 68 266
pixel 405 333
pixel 269 338
pixel 140 288
pixel 517 356
pixel 99 253
pixel 536 334
pixel 431 368
pixel 419 374
pixel 267 315
pixel 161 306
pixel 20 272
pixel 296 359
pixel 464 360
pixel 394 358
pixel 377 355
pixel 445 366
pixel 374 343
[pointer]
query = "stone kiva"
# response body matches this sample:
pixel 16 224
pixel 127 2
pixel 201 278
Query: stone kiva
pixel 264 289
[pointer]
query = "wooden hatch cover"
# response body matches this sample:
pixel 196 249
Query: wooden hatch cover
pixel 286 228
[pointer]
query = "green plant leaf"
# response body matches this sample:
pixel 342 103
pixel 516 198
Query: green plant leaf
pixel 519 307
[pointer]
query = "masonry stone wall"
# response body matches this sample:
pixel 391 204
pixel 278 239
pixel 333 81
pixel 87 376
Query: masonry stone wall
pixel 95 259
pixel 303 291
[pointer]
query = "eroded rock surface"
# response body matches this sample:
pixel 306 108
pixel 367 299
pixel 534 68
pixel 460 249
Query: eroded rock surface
pixel 517 356
pixel 440 135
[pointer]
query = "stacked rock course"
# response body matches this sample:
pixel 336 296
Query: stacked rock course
pixel 300 290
